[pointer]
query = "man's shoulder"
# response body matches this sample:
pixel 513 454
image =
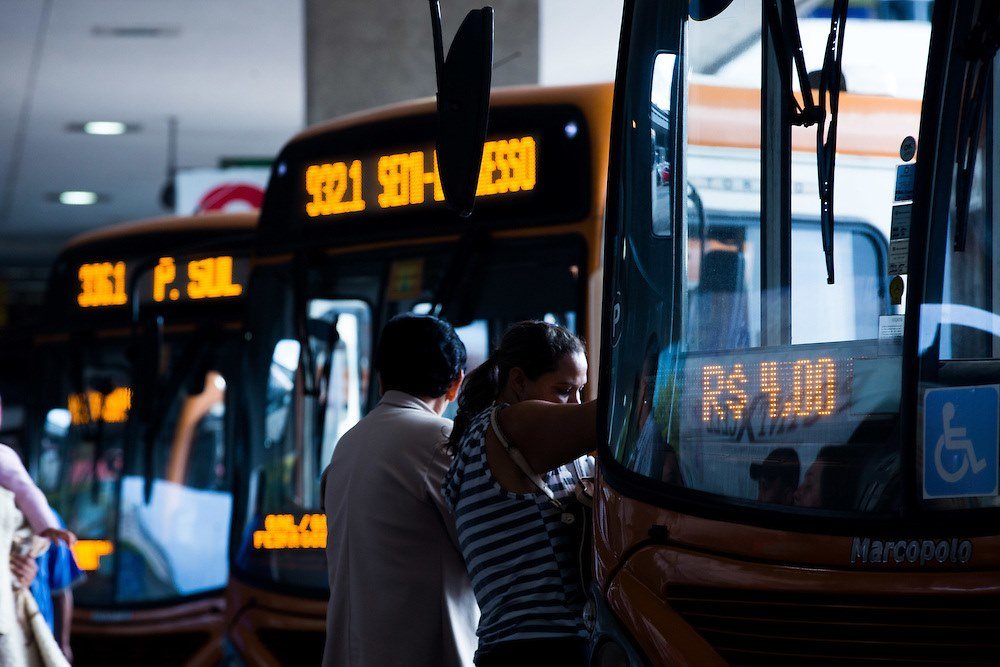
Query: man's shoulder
pixel 409 417
pixel 393 425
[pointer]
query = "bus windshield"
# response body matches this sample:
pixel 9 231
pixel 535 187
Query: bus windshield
pixel 312 399
pixel 136 549
pixel 740 375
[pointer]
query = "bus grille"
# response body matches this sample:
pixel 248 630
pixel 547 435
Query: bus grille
pixel 294 647
pixel 779 628
pixel 158 650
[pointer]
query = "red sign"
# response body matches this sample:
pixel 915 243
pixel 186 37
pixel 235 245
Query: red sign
pixel 239 196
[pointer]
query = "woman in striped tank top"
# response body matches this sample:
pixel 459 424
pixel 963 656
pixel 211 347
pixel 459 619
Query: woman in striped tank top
pixel 518 440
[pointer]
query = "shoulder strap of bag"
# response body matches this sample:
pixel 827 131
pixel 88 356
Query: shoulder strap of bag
pixel 519 460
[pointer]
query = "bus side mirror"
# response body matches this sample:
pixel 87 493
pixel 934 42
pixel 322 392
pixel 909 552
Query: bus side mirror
pixel 463 102
pixel 702 10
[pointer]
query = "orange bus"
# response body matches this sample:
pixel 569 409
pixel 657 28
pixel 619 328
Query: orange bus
pixel 799 455
pixel 128 425
pixel 353 231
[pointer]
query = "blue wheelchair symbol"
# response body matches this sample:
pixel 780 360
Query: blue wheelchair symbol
pixel 960 441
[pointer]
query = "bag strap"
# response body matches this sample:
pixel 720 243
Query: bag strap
pixel 515 455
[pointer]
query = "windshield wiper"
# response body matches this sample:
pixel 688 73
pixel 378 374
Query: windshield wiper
pixel 784 25
pixel 330 338
pixel 168 388
pixel 979 49
pixel 454 294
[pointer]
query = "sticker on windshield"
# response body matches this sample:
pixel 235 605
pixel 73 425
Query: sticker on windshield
pixel 904 182
pixel 960 441
pixel 908 149
pixel 890 335
pixel 406 279
pixel 899 225
pixel 899 251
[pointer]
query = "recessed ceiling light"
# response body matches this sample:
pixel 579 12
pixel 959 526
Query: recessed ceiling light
pixel 78 198
pixel 103 127
pixel 136 31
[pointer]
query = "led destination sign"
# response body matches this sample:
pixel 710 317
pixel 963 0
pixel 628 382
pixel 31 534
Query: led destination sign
pixel 818 395
pixel 105 284
pixel 209 278
pixel 410 178
pixel 282 531
pixel 102 284
pixel 93 406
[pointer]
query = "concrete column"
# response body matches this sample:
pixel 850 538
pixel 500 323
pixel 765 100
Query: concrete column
pixel 365 54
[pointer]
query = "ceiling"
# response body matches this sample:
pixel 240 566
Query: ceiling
pixel 230 71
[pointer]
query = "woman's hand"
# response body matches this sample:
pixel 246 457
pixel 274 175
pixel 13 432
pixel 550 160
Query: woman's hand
pixel 24 569
pixel 59 535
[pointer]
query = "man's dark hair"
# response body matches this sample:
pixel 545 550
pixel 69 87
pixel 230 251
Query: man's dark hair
pixel 420 355
pixel 782 464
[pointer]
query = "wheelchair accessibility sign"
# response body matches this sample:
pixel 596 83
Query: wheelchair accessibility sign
pixel 960 441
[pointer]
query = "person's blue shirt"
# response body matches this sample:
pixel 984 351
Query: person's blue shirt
pixel 57 571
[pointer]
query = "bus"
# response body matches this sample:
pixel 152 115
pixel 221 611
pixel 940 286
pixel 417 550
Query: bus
pixel 795 467
pixel 353 231
pixel 128 424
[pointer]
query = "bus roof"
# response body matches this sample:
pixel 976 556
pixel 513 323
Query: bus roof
pixel 160 228
pixel 499 97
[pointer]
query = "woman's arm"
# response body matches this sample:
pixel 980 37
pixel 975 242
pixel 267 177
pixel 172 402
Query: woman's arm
pixel 28 497
pixel 550 434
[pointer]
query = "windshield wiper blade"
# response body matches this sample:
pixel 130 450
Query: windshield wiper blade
pixel 980 49
pixel 830 83
pixel 784 26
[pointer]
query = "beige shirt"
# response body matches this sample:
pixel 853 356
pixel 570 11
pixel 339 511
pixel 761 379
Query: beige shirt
pixel 399 591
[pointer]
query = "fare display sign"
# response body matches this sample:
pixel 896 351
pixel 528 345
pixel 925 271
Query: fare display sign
pixel 408 178
pixel 171 279
pixel 792 395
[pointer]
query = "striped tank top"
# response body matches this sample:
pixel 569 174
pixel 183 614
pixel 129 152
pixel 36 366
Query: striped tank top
pixel 520 555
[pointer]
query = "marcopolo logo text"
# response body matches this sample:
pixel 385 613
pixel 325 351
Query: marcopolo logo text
pixel 902 552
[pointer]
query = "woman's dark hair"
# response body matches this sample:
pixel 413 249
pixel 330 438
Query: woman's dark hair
pixel 419 354
pixel 534 346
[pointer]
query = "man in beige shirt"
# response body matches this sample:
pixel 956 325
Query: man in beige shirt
pixel 399 590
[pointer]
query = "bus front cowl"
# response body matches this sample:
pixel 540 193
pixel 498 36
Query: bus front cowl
pixel 718 593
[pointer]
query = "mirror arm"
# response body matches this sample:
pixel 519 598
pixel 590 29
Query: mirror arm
pixel 435 7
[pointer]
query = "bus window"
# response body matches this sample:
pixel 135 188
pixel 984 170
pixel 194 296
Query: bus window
pixel 959 342
pixel 341 367
pixel 661 123
pixel 476 338
pixel 163 553
pixel 280 390
pixel 81 458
